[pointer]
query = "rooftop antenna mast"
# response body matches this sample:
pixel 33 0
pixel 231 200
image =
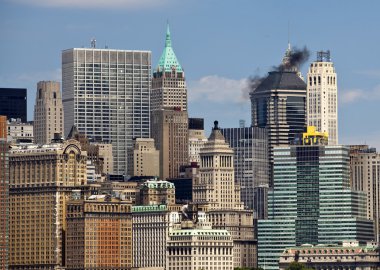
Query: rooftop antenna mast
pixel 93 43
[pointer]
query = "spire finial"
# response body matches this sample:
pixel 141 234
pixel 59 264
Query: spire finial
pixel 168 41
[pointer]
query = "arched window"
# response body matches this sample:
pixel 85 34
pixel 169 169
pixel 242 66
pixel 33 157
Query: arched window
pixel 54 95
pixel 40 93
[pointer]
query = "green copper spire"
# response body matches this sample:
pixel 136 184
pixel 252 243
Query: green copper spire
pixel 168 60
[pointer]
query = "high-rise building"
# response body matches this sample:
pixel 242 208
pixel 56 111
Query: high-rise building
pixel 322 96
pixel 279 105
pixel 169 112
pixel 197 138
pixel 250 163
pixel 106 95
pixel 150 227
pixel 41 179
pixel 13 103
pixel 216 193
pixel 365 176
pixel 311 201
pixel 170 133
pixel 4 194
pixel 144 158
pixel 199 247
pixel 156 192
pixel 99 233
pixel 48 112
pixel 19 132
pixel 168 83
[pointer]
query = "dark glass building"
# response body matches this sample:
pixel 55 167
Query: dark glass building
pixel 311 201
pixel 279 105
pixel 251 165
pixel 13 103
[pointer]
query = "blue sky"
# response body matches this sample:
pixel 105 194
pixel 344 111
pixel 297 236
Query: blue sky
pixel 218 43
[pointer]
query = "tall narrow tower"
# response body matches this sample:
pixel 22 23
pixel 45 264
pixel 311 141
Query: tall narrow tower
pixel 48 112
pixel 322 96
pixel 4 194
pixel 169 112
pixel 279 105
pixel 168 83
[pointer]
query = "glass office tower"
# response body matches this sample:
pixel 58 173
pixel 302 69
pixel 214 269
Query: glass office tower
pixel 106 94
pixel 311 201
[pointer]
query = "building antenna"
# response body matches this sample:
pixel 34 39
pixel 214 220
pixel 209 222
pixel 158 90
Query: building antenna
pixel 289 34
pixel 93 43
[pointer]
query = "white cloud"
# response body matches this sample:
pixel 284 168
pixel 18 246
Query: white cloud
pixel 355 95
pixel 132 4
pixel 219 90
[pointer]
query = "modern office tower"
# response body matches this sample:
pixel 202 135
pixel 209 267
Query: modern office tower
pixel 19 132
pixel 106 95
pixel 279 105
pixel 311 201
pixel 168 83
pixel 322 96
pixel 41 178
pixel 169 112
pixel 365 176
pixel 170 133
pixel 4 194
pixel 48 112
pixel 156 192
pixel 144 158
pixel 199 247
pixel 250 162
pixel 216 193
pixel 99 233
pixel 150 228
pixel 13 103
pixel 197 138
pixel 348 255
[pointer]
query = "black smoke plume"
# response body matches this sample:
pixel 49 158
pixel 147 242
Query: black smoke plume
pixel 297 58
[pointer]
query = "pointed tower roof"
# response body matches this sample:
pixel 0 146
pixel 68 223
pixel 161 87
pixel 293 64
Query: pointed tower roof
pixel 168 59
pixel 73 132
pixel 216 134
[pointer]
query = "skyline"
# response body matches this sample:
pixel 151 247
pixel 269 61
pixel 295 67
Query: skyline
pixel 236 42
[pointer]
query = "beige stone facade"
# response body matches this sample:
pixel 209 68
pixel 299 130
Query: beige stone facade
pixel 105 153
pixel 216 192
pixel 99 233
pixel 197 140
pixel 144 158
pixel 41 179
pixel 170 133
pixel 365 176
pixel 19 132
pixel 48 112
pixel 348 256
pixel 151 226
pixel 199 247
pixel 156 192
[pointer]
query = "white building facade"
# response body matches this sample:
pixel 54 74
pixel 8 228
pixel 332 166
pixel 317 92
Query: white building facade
pixel 322 96
pixel 106 95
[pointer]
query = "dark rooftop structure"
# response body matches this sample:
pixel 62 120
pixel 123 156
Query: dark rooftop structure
pixel 287 80
pixel 196 123
pixel 13 103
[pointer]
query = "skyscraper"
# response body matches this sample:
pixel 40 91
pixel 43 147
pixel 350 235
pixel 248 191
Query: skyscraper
pixel 279 105
pixel 216 192
pixel 13 103
pixel 311 201
pixel 251 164
pixel 4 196
pixel 106 95
pixel 365 176
pixel 41 179
pixel 322 96
pixel 169 112
pixel 168 83
pixel 144 158
pixel 197 138
pixel 48 112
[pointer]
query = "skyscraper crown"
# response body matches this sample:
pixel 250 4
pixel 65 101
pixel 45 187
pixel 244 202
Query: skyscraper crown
pixel 168 60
